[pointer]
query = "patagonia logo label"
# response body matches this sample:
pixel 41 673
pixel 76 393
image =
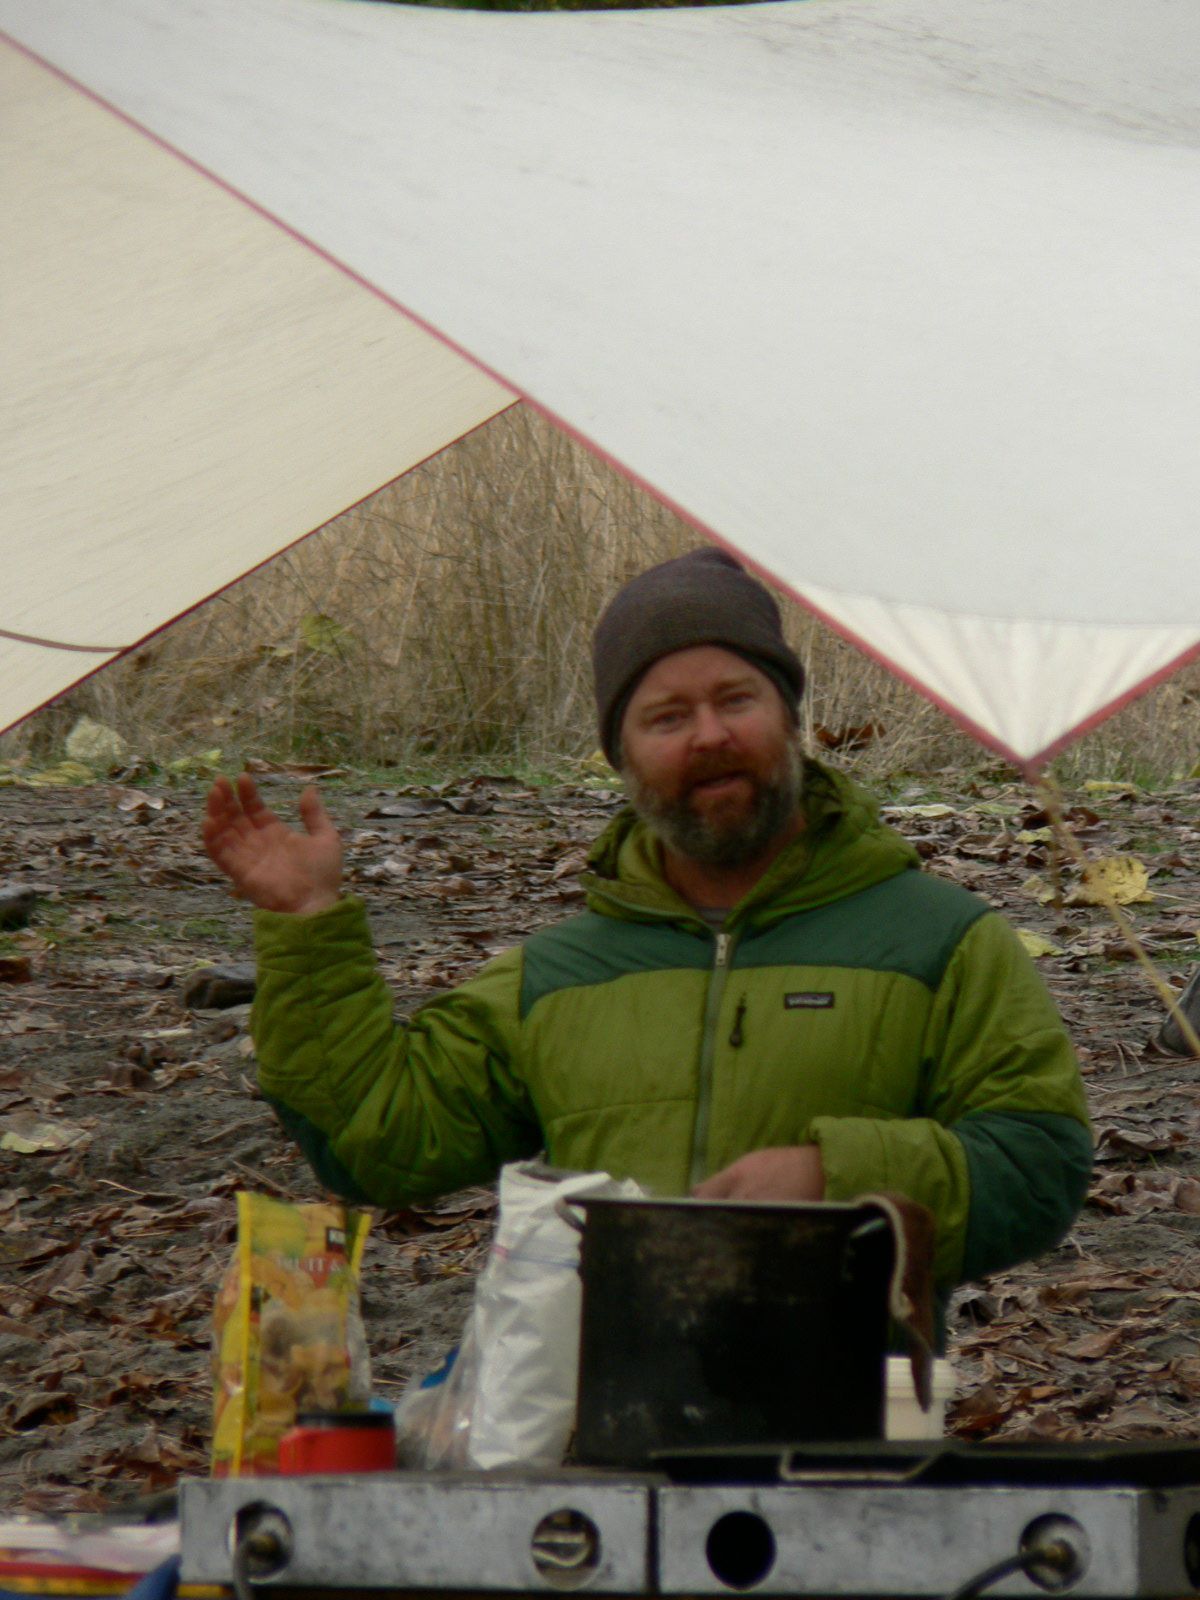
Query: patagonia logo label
pixel 809 1000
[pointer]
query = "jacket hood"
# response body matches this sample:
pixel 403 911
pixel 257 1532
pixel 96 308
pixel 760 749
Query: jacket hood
pixel 844 848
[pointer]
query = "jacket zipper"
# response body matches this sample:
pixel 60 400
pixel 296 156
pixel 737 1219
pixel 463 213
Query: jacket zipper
pixel 708 1044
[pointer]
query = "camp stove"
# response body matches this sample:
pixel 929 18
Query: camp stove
pixel 1119 1522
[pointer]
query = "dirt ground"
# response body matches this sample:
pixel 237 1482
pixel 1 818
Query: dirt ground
pixel 130 1119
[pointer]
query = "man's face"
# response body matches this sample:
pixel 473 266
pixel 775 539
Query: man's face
pixel 709 756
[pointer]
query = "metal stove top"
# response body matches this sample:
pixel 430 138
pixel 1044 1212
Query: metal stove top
pixel 1113 1522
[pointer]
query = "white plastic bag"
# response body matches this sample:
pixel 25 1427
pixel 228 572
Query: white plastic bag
pixel 508 1398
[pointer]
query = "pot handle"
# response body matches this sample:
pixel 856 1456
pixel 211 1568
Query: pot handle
pixel 564 1208
pixel 862 1242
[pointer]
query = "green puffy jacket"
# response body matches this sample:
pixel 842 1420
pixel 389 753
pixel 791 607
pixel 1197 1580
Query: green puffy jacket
pixel 849 1000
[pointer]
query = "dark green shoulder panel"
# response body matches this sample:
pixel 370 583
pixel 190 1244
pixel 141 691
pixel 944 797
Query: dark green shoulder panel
pixel 591 949
pixel 911 923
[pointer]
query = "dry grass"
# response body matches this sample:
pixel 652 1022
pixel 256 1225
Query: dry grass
pixel 459 606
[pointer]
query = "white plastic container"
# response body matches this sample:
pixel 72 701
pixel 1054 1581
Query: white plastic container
pixel 903 1417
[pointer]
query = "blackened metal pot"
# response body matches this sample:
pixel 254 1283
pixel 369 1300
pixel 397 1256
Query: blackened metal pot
pixel 725 1323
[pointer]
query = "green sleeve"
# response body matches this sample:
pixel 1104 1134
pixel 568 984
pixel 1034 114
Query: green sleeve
pixel 387 1113
pixel 999 1146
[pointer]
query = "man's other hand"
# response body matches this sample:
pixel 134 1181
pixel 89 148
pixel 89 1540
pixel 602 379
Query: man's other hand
pixel 790 1172
pixel 276 867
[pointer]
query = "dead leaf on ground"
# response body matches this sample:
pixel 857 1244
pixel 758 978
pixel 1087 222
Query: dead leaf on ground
pixel 134 801
pixel 1095 1401
pixel 1094 1346
pixel 849 738
pixel 25 1134
pixel 1115 1141
pixel 413 806
pixel 454 888
pixel 48 1410
pixel 979 1412
pixel 470 805
pixel 1038 889
pixel 1110 788
pixel 293 769
pixel 934 811
pixel 1037 945
pixel 573 862
pixel 1134 1194
pixel 1120 880
pixel 29 1022
pixel 1185 1370
pixel 1139 1420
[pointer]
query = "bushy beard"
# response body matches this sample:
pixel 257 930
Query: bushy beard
pixel 714 840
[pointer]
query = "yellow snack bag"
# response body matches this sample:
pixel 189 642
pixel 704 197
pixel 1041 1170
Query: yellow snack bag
pixel 287 1333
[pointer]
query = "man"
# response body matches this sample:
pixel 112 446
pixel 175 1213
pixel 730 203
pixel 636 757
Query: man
pixel 765 999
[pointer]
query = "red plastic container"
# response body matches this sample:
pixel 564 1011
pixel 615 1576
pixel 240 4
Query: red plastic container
pixel 339 1441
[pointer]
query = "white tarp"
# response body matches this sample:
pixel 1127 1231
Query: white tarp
pixel 186 390
pixel 899 298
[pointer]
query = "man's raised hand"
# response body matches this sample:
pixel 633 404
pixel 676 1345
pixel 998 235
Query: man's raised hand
pixel 276 867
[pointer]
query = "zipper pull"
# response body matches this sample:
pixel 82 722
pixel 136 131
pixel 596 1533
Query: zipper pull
pixel 736 1038
pixel 721 954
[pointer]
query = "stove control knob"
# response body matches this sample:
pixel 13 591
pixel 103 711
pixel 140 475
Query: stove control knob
pixel 1055 1553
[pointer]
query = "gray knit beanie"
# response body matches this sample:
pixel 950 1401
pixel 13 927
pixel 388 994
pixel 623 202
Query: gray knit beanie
pixel 705 597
